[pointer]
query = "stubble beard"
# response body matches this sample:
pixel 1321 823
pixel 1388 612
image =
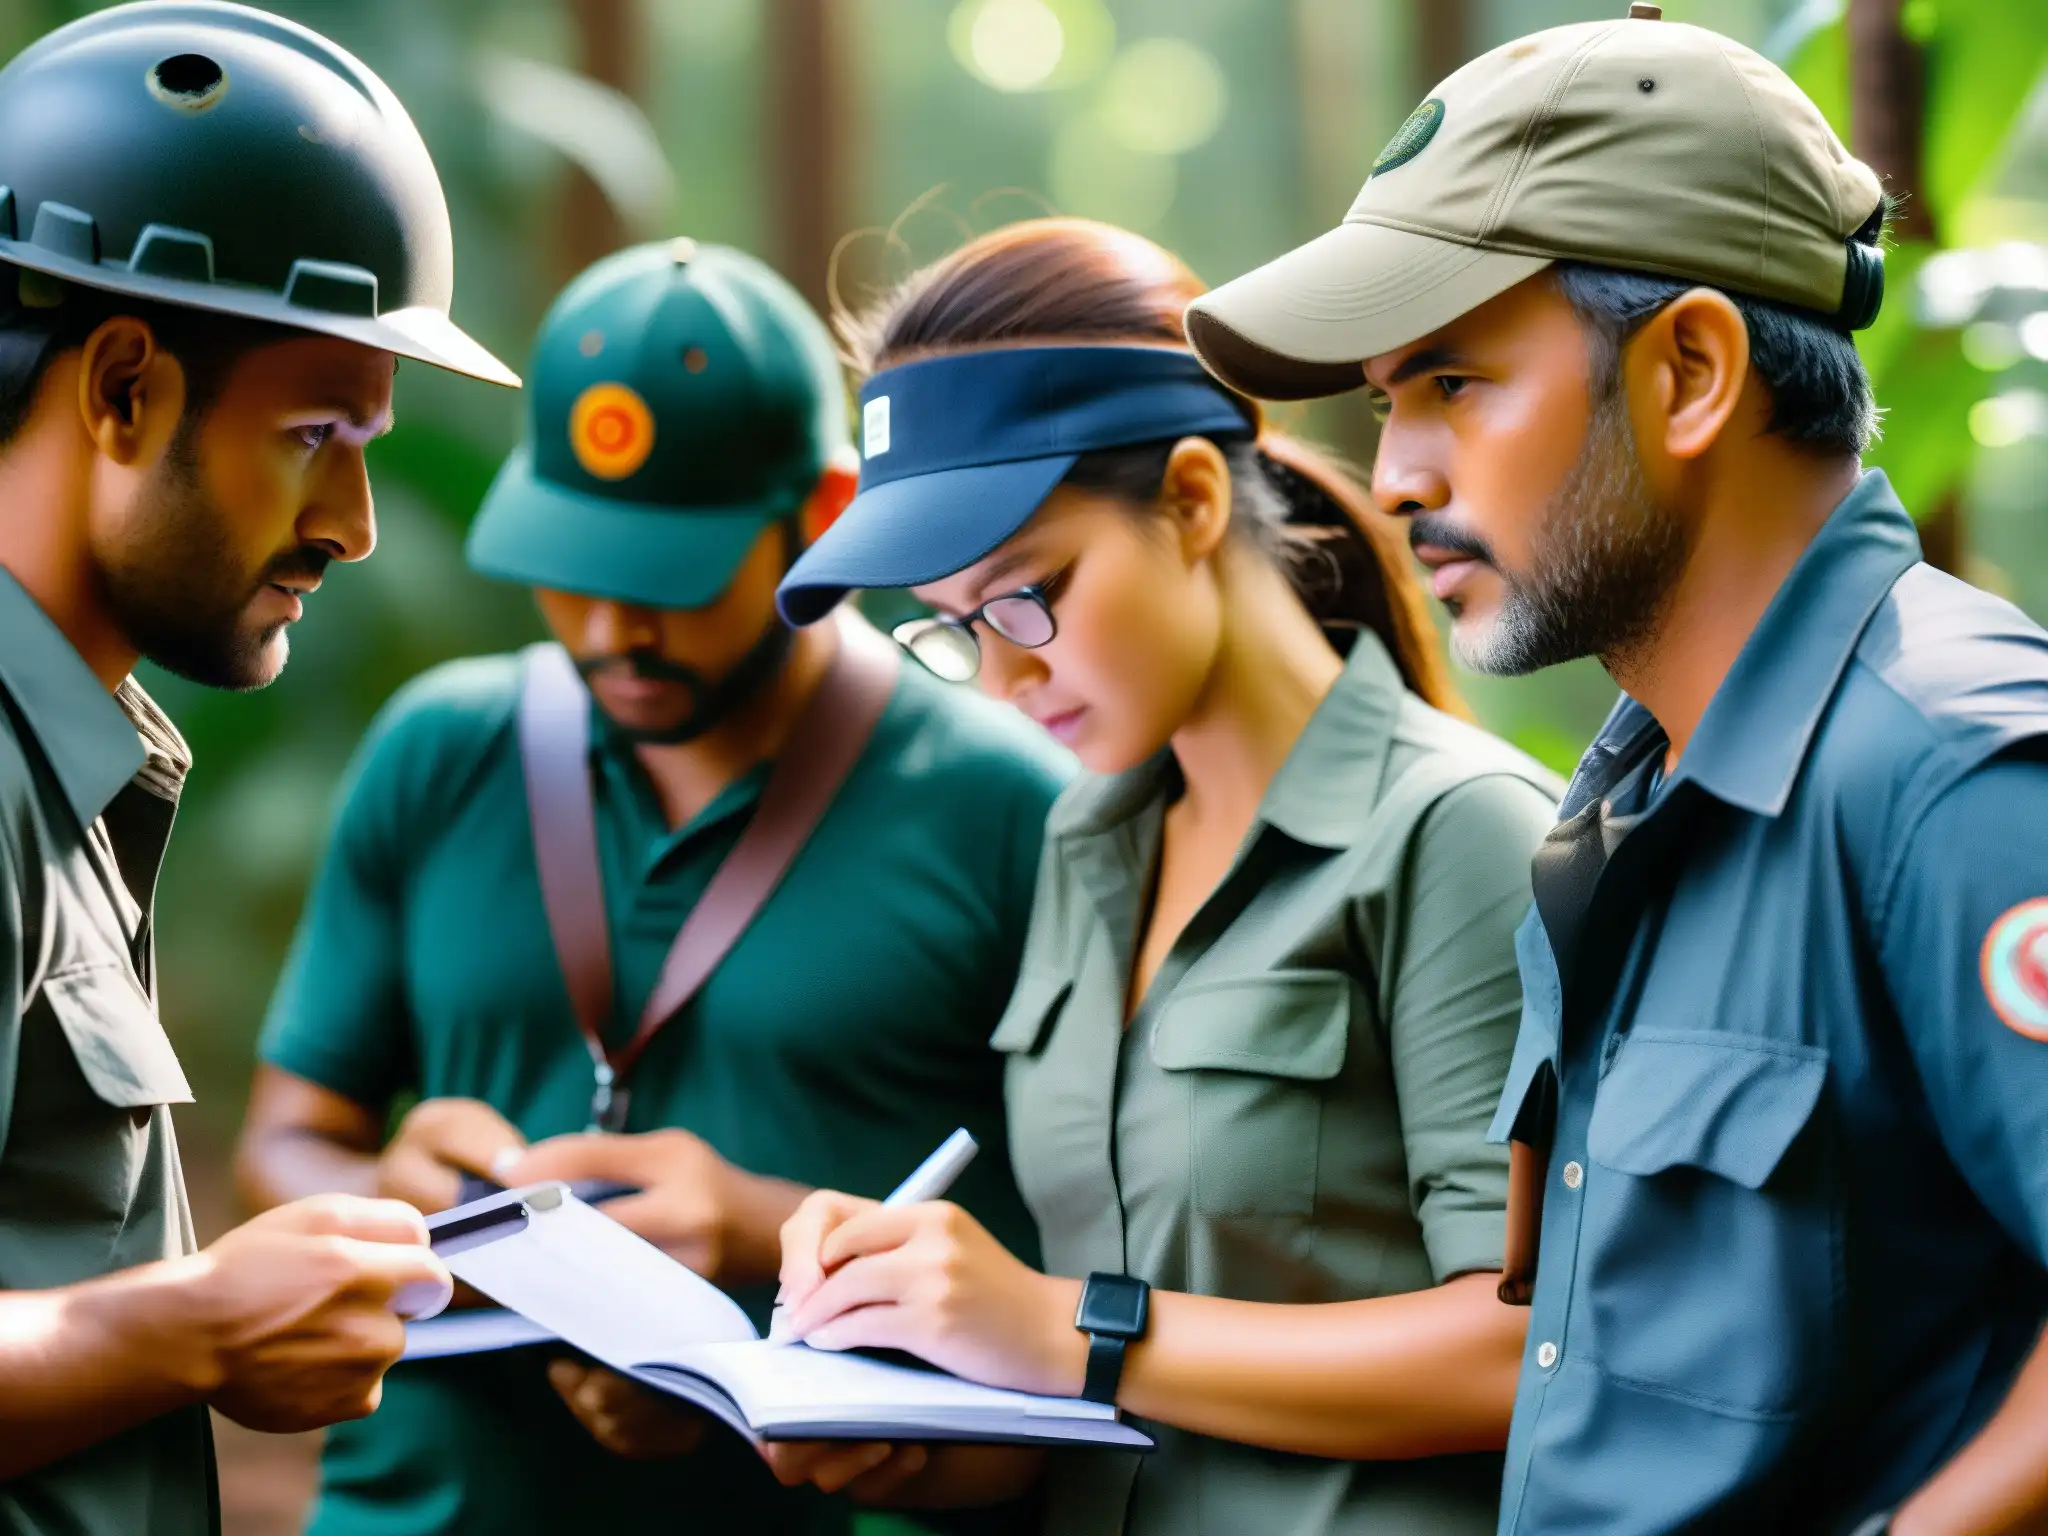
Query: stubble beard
pixel 1605 560
pixel 181 596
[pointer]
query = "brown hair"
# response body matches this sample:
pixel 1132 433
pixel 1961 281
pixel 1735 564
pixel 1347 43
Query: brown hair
pixel 1074 280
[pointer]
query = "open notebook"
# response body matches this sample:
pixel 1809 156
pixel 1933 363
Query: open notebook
pixel 574 1273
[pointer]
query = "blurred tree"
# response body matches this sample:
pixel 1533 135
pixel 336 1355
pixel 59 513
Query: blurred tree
pixel 1931 93
pixel 1444 38
pixel 609 50
pixel 1887 97
pixel 808 127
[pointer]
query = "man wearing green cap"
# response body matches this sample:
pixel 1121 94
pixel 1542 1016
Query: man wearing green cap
pixel 687 437
pixel 1777 1109
pixel 186 391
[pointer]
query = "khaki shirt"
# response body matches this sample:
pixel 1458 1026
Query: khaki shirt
pixel 1298 1111
pixel 89 1174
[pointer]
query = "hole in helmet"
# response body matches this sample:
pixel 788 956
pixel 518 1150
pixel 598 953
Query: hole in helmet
pixel 188 80
pixel 696 360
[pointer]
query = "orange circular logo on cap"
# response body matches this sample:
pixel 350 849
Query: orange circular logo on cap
pixel 611 430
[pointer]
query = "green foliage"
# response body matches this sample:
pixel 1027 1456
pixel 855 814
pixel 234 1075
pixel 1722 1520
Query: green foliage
pixel 1984 58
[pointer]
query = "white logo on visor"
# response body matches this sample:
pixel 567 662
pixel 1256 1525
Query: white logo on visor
pixel 874 427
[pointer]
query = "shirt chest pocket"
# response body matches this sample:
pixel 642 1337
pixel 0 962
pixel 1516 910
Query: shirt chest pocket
pixel 121 1049
pixel 1712 1258
pixel 1255 1057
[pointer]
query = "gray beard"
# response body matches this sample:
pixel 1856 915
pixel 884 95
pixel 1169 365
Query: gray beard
pixel 1605 560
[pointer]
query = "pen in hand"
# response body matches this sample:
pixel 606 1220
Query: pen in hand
pixel 931 1179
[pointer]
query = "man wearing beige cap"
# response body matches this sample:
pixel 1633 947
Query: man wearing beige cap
pixel 1780 1098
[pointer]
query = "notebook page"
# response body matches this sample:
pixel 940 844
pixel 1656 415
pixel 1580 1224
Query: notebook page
pixel 596 1285
pixel 471 1333
pixel 776 1381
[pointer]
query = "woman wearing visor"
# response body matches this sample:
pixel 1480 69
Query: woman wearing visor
pixel 1269 992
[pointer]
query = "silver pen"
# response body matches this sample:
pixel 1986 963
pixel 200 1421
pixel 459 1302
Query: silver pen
pixel 928 1181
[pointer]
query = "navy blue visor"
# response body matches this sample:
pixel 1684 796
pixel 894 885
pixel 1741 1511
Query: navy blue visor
pixel 958 451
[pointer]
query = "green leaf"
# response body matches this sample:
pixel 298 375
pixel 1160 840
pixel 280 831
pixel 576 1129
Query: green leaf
pixel 1984 59
pixel 1812 47
pixel 448 471
pixel 1927 393
pixel 1896 326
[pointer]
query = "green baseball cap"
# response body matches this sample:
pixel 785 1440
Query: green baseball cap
pixel 682 397
pixel 1641 144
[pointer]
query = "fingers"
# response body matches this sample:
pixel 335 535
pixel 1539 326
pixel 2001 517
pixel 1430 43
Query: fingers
pixel 623 1417
pixel 883 1326
pixel 470 1135
pixel 386 1270
pixel 877 1281
pixel 410 1173
pixel 880 1485
pixel 876 1230
pixel 804 1235
pixel 354 1216
pixel 581 1155
pixel 830 1465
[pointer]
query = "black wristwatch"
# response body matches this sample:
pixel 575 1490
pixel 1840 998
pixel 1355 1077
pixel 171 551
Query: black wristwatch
pixel 1114 1310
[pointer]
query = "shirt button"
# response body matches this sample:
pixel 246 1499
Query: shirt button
pixel 1546 1354
pixel 1574 1175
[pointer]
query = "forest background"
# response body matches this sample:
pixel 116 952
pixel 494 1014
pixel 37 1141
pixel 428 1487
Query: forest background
pixel 1226 129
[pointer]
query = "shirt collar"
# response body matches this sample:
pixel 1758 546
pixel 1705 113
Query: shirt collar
pixel 1756 732
pixel 1325 791
pixel 90 741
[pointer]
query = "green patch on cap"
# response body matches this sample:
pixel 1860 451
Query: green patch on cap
pixel 1412 136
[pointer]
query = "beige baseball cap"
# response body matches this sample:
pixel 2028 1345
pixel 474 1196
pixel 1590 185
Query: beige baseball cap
pixel 1641 143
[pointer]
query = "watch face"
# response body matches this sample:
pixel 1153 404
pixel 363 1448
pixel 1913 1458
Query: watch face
pixel 1115 1305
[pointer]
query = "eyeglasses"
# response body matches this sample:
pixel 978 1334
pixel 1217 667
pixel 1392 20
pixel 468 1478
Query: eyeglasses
pixel 949 648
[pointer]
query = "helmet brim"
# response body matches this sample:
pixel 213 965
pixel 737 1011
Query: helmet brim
pixel 421 333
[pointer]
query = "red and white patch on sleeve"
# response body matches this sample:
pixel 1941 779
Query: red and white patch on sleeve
pixel 2014 965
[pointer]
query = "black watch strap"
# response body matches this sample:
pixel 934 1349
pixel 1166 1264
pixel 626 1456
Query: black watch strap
pixel 1114 1310
pixel 1105 1367
pixel 1879 1524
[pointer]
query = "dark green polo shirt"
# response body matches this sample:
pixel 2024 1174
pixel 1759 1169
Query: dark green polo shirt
pixel 842 1038
pixel 89 1175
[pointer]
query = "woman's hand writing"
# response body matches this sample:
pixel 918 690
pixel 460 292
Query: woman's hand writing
pixel 928 1280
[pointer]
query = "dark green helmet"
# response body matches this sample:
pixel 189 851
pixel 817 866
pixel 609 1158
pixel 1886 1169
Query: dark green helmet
pixel 210 155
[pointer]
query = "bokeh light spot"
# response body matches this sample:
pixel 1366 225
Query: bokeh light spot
pixel 1013 45
pixel 1163 96
pixel 2003 420
pixel 1991 346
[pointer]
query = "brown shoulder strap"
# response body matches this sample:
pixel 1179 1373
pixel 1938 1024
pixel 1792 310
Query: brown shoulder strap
pixel 554 750
pixel 823 746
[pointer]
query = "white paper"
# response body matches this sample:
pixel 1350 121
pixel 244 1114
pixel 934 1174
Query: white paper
pixel 472 1332
pixel 605 1290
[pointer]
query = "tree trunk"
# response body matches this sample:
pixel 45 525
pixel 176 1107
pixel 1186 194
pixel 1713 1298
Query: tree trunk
pixel 609 46
pixel 1887 93
pixel 1443 39
pixel 807 117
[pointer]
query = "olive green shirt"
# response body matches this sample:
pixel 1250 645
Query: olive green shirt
pixel 842 1038
pixel 89 1175
pixel 1297 1112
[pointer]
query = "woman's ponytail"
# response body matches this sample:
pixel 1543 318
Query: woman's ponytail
pixel 1347 560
